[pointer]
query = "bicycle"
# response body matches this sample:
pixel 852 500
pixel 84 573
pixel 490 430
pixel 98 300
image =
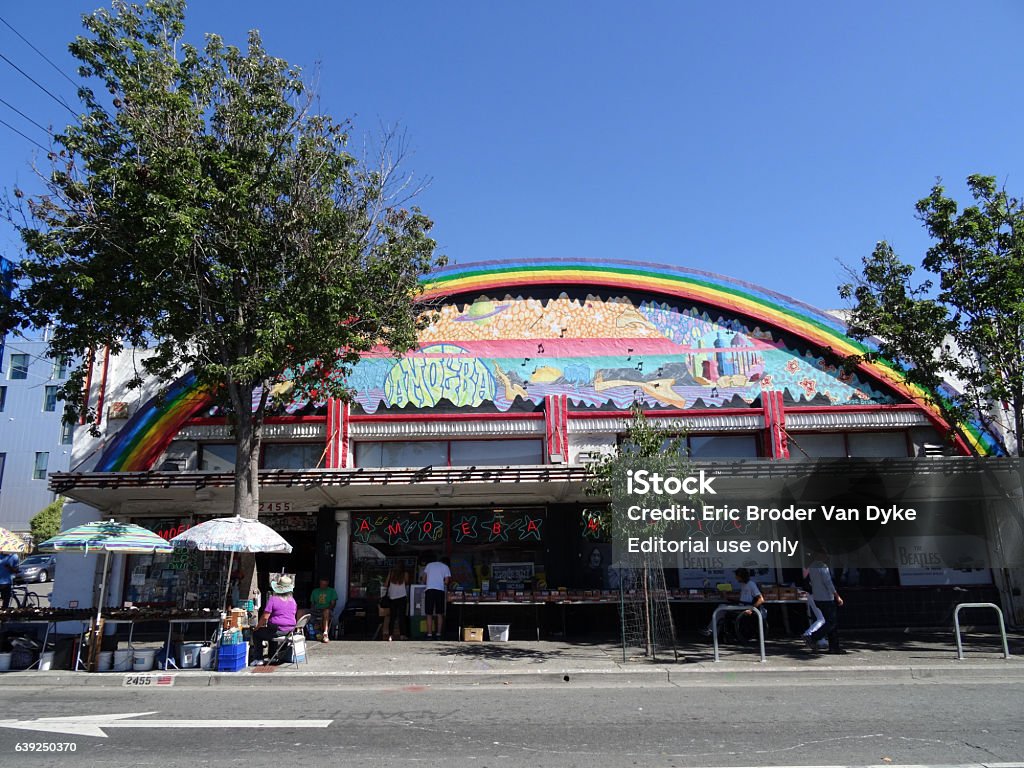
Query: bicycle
pixel 21 597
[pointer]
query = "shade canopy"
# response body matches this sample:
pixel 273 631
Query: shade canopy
pixel 232 534
pixel 10 542
pixel 106 536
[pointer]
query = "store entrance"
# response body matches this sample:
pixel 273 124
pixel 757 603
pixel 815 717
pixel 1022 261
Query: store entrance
pixel 300 562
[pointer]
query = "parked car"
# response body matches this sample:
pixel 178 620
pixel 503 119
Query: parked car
pixel 36 568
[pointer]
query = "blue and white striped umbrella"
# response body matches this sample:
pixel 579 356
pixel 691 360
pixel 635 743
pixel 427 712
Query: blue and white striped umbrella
pixel 106 536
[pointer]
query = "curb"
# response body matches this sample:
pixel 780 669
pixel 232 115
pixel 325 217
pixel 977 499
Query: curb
pixel 728 675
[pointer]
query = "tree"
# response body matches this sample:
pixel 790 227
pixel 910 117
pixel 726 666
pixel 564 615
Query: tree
pixel 966 323
pixel 45 524
pixel 202 209
pixel 646 619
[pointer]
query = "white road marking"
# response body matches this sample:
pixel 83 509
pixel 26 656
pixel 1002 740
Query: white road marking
pixel 94 725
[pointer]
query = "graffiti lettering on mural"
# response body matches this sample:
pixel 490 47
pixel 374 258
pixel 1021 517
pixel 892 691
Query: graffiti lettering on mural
pixel 599 351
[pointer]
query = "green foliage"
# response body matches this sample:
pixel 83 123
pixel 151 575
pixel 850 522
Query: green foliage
pixel 203 209
pixel 644 446
pixel 965 323
pixel 45 524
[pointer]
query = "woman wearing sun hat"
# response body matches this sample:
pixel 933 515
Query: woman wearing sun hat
pixel 278 616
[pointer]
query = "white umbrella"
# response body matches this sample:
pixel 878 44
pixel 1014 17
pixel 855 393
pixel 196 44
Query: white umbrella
pixel 232 534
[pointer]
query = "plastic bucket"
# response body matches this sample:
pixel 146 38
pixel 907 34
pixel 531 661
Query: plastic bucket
pixel 105 662
pixel 123 661
pixel 46 661
pixel 206 657
pixel 143 659
pixel 5 662
pixel 498 633
pixel 188 655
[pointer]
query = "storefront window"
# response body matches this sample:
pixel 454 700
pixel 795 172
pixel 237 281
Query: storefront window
pixel 500 453
pixel 416 453
pixel 723 447
pixel 877 444
pixel 489 548
pixel 292 455
pixel 827 446
pixel 217 457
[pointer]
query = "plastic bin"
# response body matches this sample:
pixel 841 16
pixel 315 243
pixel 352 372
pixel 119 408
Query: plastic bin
pixel 123 660
pixel 207 654
pixel 188 655
pixel 5 662
pixel 46 661
pixel 233 658
pixel 498 633
pixel 143 659
pixel 105 662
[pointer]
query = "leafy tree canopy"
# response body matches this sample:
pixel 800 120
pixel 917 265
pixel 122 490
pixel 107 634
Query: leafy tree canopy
pixel 45 524
pixel 966 322
pixel 203 209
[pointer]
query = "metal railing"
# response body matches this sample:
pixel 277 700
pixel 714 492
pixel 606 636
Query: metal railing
pixel 956 624
pixel 733 608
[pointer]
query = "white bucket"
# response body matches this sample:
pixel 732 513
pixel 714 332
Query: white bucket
pixel 46 662
pixel 498 633
pixel 123 660
pixel 5 662
pixel 105 661
pixel 188 655
pixel 144 659
pixel 206 657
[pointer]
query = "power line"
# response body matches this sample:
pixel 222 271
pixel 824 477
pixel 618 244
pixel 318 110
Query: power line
pixel 40 87
pixel 15 109
pixel 24 136
pixel 25 40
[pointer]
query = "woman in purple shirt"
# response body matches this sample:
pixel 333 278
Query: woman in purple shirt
pixel 278 616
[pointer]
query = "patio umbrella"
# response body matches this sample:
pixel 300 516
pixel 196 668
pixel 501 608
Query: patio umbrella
pixel 10 542
pixel 232 534
pixel 106 536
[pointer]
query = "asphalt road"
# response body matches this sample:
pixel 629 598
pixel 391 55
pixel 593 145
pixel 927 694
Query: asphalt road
pixel 849 724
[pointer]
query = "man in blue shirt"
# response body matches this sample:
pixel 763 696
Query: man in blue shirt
pixel 8 568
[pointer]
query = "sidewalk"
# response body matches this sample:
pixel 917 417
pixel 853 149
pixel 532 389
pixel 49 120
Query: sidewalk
pixel 894 657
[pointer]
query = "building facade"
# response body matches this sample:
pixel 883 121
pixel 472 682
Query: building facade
pixel 34 441
pixel 476 444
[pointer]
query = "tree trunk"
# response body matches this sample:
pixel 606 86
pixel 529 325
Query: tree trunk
pixel 248 434
pixel 248 437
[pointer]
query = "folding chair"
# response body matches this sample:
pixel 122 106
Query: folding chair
pixel 289 641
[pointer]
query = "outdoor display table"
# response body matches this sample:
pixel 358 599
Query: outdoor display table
pixel 49 618
pixel 489 602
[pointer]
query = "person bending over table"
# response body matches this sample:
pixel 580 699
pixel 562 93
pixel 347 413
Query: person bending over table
pixel 278 616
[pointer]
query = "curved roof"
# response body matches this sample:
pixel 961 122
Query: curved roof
pixel 137 446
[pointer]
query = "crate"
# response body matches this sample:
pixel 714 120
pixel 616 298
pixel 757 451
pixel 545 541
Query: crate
pixel 473 634
pixel 233 658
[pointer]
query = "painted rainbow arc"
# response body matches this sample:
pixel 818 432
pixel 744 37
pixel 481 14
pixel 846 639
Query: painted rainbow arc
pixel 149 431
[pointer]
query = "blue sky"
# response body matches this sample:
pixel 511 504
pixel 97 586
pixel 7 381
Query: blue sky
pixel 767 142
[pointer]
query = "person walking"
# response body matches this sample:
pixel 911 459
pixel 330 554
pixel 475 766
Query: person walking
pixel 398 590
pixel 324 599
pixel 436 576
pixel 827 600
pixel 9 567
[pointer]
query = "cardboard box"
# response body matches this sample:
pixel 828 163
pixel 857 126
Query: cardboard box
pixel 473 634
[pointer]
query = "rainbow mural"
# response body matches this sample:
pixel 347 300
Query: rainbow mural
pixel 138 445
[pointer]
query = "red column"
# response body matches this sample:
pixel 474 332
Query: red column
pixel 775 424
pixel 556 426
pixel 337 434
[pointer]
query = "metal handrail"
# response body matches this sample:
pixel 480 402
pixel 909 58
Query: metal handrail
pixel 724 608
pixel 956 624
